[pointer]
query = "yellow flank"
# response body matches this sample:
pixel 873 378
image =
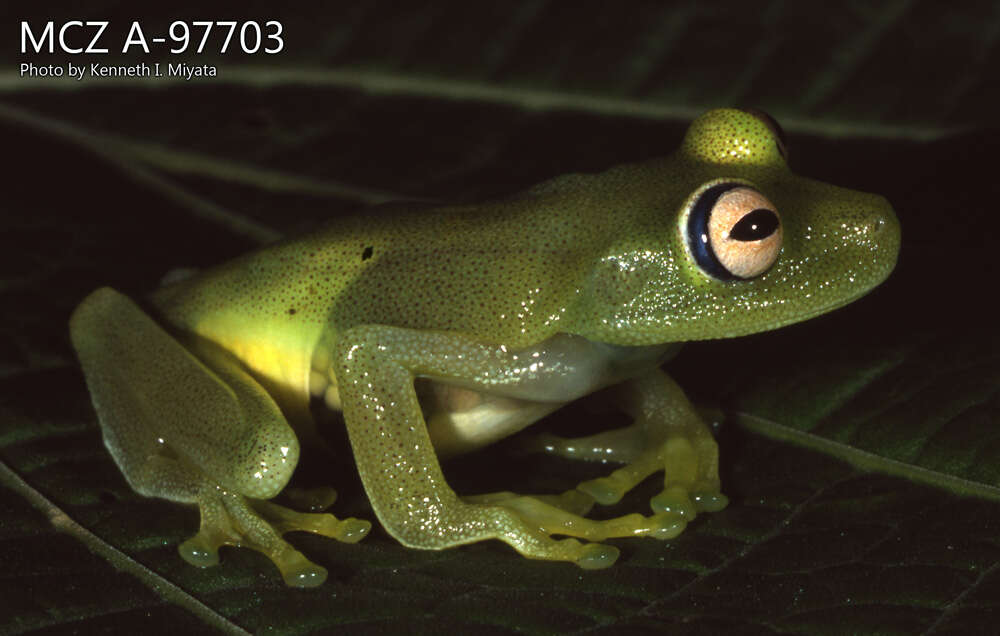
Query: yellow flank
pixel 501 313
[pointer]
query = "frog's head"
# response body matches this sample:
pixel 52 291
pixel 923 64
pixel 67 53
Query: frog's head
pixel 722 240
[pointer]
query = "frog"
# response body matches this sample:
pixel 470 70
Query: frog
pixel 440 329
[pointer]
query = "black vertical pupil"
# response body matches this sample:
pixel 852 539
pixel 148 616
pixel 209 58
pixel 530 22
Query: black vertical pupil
pixel 756 225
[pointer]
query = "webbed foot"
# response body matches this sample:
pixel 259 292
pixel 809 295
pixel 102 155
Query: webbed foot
pixel 229 519
pixel 691 483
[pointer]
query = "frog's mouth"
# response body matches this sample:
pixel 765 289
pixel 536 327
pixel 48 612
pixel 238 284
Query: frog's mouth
pixel 838 302
pixel 881 260
pixel 825 309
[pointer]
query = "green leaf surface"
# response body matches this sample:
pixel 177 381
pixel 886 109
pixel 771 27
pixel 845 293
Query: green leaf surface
pixel 116 182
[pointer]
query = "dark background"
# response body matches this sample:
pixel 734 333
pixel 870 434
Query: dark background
pixel 116 182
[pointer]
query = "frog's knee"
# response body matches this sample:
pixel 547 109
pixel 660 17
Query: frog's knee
pixel 86 323
pixel 267 462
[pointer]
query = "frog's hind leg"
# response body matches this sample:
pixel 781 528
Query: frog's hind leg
pixel 196 430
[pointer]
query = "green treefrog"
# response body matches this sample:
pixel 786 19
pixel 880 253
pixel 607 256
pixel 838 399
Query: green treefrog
pixel 499 313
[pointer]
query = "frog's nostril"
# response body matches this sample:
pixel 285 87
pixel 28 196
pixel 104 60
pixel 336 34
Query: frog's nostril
pixel 881 219
pixel 877 224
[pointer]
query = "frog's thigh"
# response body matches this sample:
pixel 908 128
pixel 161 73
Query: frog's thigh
pixel 376 366
pixel 676 440
pixel 182 431
pixel 154 398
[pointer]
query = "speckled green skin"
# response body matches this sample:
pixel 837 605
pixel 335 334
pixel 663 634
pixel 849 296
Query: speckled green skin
pixel 504 303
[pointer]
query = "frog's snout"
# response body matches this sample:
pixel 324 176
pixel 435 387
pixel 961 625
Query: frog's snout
pixel 880 229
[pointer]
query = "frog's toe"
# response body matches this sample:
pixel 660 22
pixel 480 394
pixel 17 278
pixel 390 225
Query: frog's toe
pixel 353 530
pixel 230 519
pixel 284 520
pixel 604 490
pixel 659 526
pixel 200 552
pixel 691 485
pixel 219 527
pixel 709 501
pixel 617 445
pixel 573 501
pixel 588 556
pixel 674 501
pixel 310 576
pixel 665 527
pixel 297 570
pixel 597 556
pixel 311 499
pixel 553 520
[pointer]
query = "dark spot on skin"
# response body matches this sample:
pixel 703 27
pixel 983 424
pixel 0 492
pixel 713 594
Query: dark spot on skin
pixel 291 312
pixel 365 255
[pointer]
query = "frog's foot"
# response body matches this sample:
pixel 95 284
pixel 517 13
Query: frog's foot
pixel 691 482
pixel 619 445
pixel 526 524
pixel 562 515
pixel 230 519
pixel 311 499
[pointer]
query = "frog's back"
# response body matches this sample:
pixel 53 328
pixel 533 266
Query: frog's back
pixel 471 269
pixel 506 270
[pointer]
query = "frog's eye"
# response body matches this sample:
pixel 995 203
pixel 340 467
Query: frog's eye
pixel 776 130
pixel 733 231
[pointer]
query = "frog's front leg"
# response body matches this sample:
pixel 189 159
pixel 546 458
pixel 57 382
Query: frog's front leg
pixel 667 434
pixel 375 368
pixel 197 430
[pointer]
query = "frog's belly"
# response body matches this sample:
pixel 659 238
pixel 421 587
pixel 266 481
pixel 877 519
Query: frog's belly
pixel 463 414
pixel 459 420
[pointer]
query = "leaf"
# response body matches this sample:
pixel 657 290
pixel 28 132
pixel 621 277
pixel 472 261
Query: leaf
pixel 117 182
pixel 60 522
